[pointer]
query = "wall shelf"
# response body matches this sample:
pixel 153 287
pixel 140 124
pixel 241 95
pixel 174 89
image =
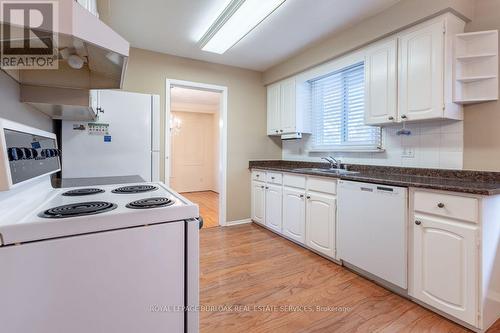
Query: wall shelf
pixel 475 78
pixel 476 67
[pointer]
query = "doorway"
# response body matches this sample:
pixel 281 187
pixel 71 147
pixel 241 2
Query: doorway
pixel 195 160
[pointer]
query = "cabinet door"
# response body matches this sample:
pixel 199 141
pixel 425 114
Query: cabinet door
pixel 273 110
pixel 273 207
pixel 287 105
pixel 294 214
pixel 320 223
pixel 421 81
pixel 381 83
pixel 445 272
pixel 258 202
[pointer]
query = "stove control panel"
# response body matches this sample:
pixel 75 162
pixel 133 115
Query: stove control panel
pixel 30 155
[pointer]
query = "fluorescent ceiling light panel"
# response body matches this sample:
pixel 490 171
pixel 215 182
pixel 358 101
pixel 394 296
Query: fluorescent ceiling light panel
pixel 236 21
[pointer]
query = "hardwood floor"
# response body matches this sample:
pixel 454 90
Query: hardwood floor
pixel 209 206
pixel 254 271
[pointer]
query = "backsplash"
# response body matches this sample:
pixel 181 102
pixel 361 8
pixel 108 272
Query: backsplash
pixel 437 144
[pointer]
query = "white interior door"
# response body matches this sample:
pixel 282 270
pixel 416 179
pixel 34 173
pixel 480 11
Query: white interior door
pixel 194 154
pixel 294 214
pixel 445 263
pixel 320 223
pixel 422 73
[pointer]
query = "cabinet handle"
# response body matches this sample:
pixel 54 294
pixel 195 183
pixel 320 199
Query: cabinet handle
pixel 417 222
pixel 257 176
pixel 391 118
pixel 272 178
pixel 262 187
pixel 441 205
pixel 277 131
pixel 281 131
pixel 267 188
pixel 301 195
pixel 403 116
pixel 308 197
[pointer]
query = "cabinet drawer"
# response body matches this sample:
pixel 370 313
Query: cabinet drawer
pixel 274 178
pixel 294 180
pixel 322 185
pixel 259 175
pixel 447 205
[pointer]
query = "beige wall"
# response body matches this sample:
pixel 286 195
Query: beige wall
pixel 247 139
pixel 397 17
pixel 482 121
pixel 193 154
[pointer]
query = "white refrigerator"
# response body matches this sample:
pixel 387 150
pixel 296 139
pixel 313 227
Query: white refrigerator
pixel 123 141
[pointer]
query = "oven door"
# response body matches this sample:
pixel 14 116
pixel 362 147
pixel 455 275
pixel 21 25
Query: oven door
pixel 126 281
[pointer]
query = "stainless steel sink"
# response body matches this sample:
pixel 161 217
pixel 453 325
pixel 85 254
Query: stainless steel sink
pixel 337 172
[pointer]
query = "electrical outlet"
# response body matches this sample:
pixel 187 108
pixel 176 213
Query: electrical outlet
pixel 408 152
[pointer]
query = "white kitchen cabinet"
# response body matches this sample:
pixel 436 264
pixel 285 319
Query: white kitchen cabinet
pixel 426 70
pixel 283 115
pixel 381 84
pixel 421 75
pixel 274 207
pixel 445 266
pixel 258 205
pixel 288 106
pixel 320 223
pixel 294 214
pixel 454 254
pixel 409 76
pixel 273 109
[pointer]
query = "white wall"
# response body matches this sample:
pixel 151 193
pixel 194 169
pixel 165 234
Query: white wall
pixel 12 109
pixel 437 144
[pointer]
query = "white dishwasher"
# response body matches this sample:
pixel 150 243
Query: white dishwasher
pixel 372 229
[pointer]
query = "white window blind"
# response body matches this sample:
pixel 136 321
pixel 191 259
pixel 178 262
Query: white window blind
pixel 337 102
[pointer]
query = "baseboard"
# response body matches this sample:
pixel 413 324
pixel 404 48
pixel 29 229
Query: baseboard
pixel 238 222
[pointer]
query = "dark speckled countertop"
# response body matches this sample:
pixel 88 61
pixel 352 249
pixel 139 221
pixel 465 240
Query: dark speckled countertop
pixel 473 182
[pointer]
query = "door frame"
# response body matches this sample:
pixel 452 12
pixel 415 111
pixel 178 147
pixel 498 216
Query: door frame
pixel 170 83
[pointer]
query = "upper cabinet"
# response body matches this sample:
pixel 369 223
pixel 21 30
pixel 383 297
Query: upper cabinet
pixel 381 83
pixel 283 115
pixel 421 76
pixel 409 77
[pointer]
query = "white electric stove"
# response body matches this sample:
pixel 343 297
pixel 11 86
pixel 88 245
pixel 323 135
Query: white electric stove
pixel 113 258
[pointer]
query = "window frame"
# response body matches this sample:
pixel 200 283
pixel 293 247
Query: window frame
pixel 324 70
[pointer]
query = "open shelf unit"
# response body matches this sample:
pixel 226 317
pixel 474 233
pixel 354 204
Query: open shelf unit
pixel 476 67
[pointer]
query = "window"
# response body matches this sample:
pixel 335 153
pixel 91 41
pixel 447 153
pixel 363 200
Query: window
pixel 337 102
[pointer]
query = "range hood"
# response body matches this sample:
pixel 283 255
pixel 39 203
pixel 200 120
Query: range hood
pixel 103 51
pixel 62 103
pixel 291 136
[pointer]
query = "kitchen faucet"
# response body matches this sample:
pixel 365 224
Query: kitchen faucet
pixel 334 163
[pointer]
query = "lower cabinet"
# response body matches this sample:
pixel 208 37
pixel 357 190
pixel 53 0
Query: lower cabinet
pixel 294 214
pixel 320 222
pixel 274 207
pixel 258 206
pixel 445 267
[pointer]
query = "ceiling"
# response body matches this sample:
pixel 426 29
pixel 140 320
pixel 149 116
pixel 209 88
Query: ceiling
pixel 175 27
pixel 194 100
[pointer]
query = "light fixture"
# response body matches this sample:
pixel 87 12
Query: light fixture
pixel 235 22
pixel 75 61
